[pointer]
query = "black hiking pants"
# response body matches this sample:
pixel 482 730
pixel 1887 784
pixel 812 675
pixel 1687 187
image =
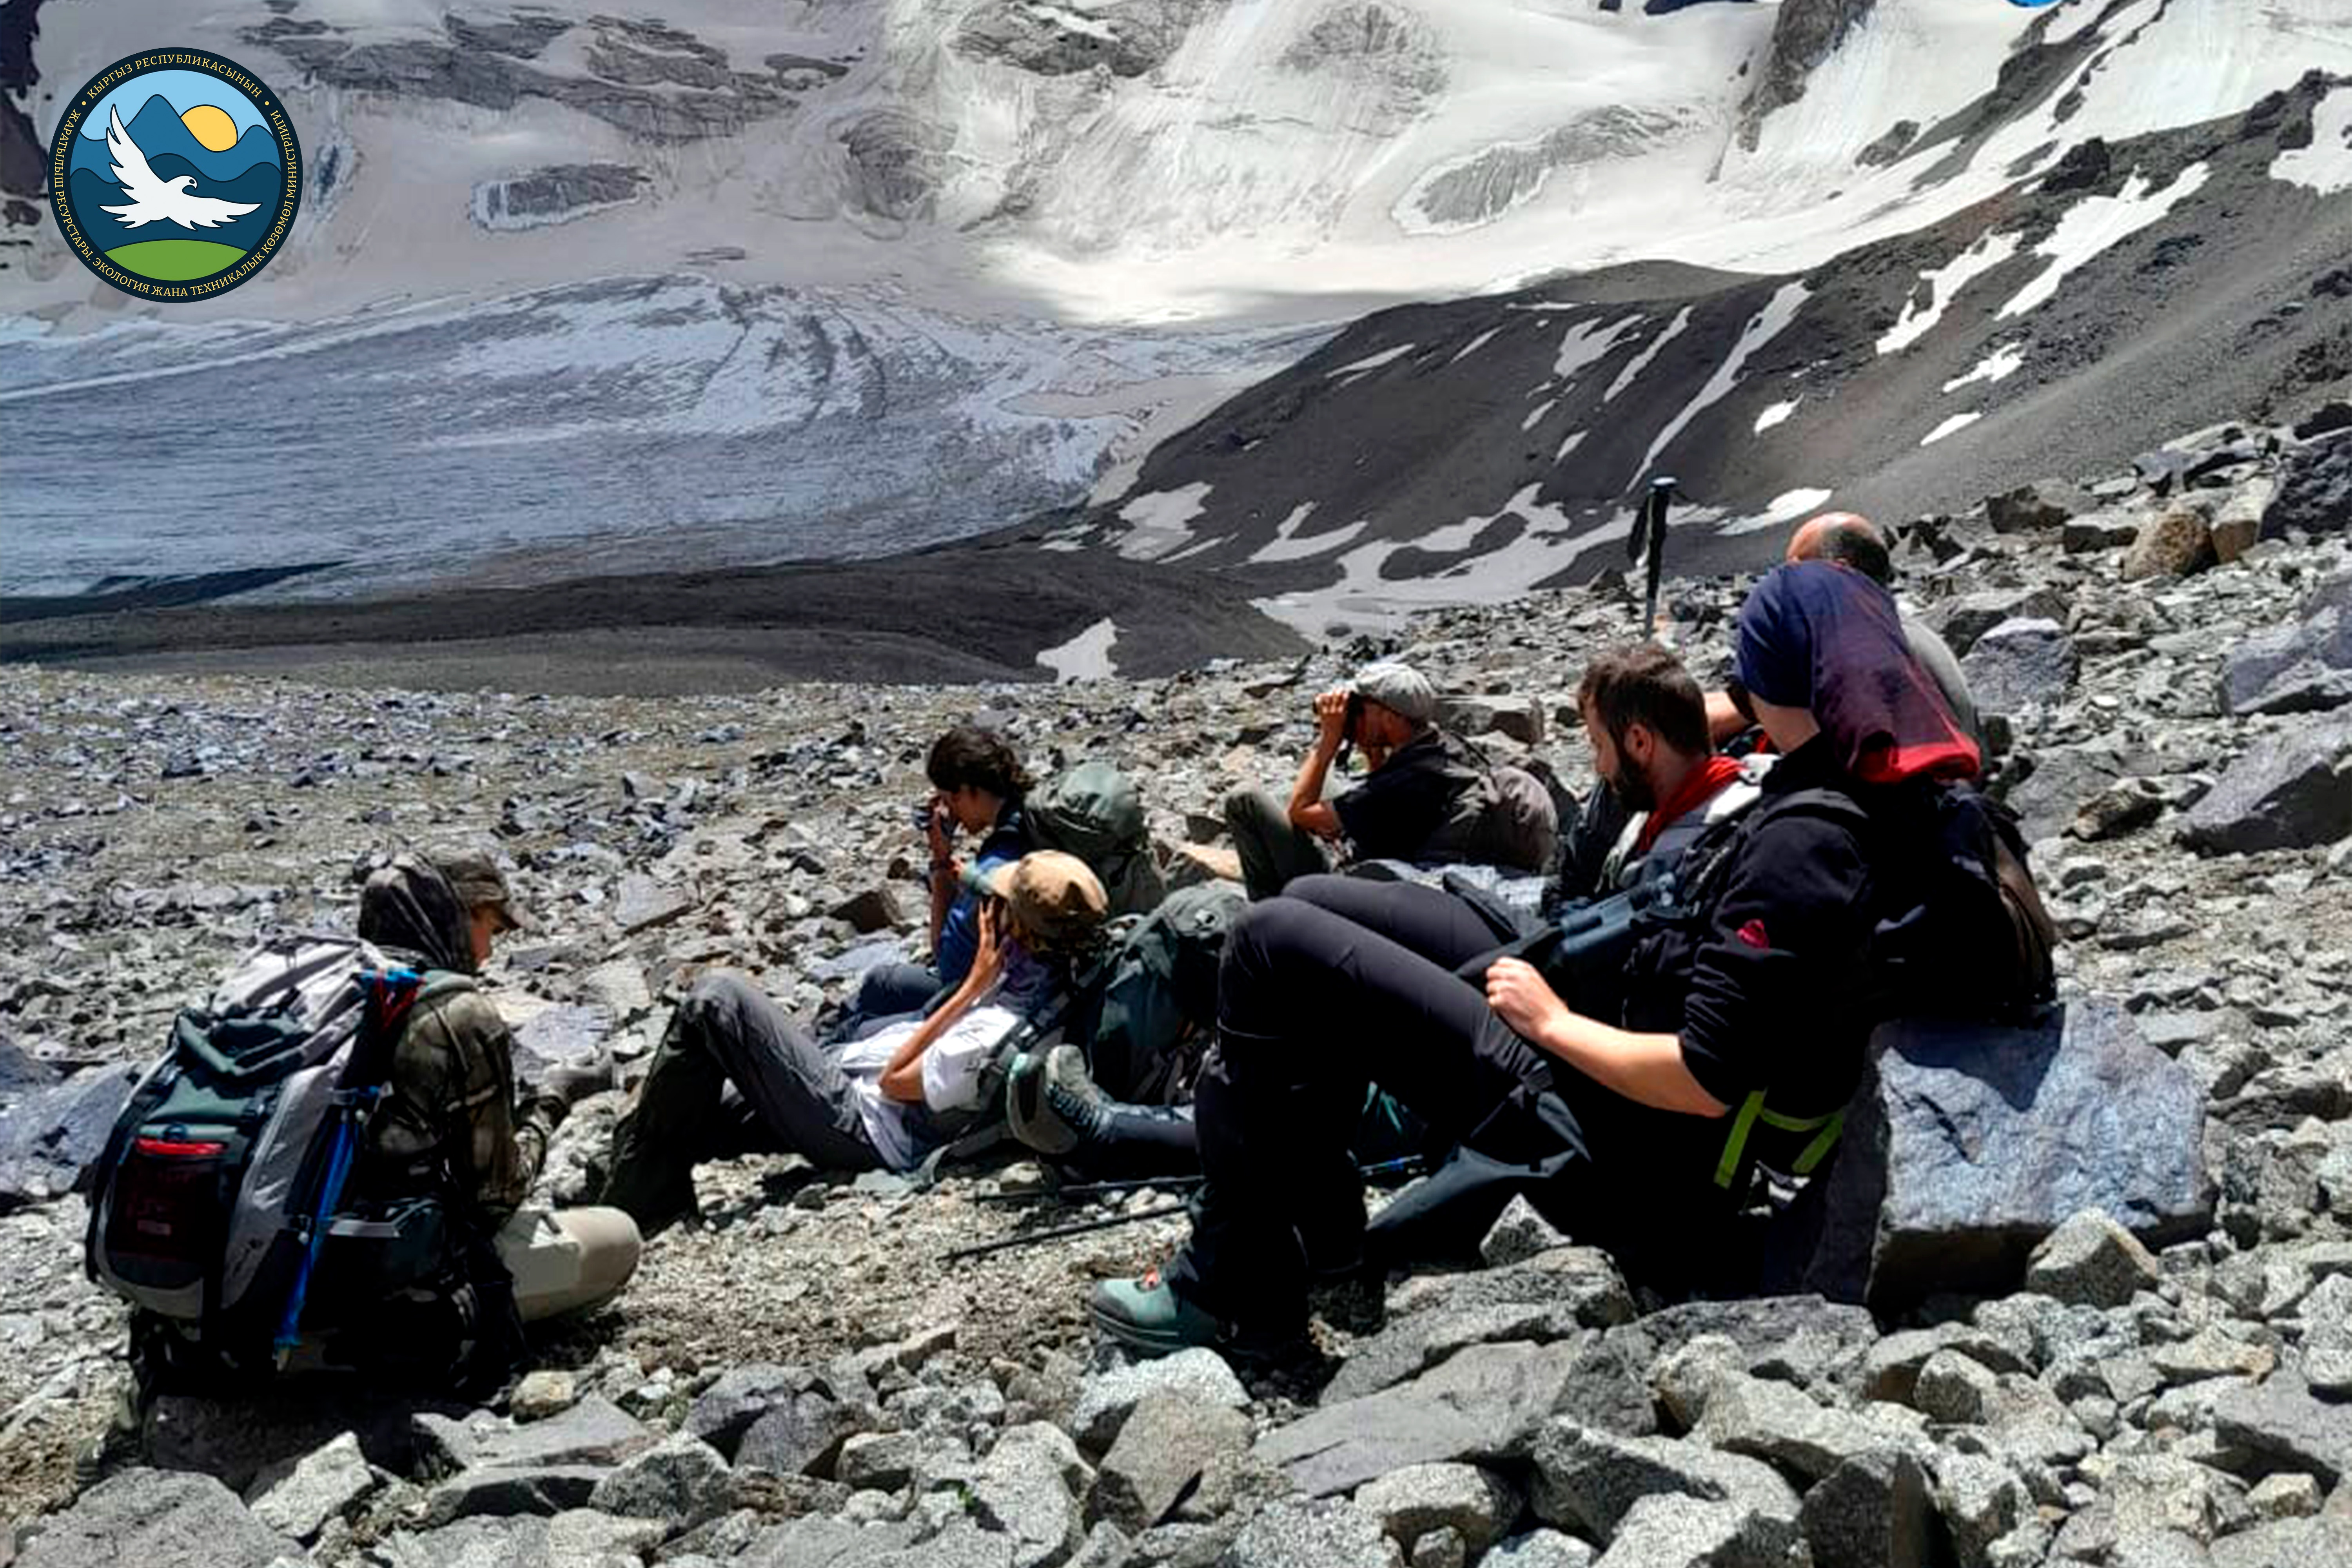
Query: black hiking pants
pixel 1340 984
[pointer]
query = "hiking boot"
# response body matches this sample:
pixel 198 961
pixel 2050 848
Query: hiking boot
pixel 655 1192
pixel 1051 1104
pixel 1148 1316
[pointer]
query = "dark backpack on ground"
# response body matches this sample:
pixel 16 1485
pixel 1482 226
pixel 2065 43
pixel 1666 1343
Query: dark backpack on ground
pixel 216 1212
pixel 1968 937
pixel 1157 1009
pixel 1502 815
pixel 1095 812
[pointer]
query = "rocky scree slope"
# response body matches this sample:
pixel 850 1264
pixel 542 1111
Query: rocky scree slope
pixel 799 1379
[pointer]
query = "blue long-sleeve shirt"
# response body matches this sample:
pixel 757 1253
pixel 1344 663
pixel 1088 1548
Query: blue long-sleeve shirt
pixel 959 933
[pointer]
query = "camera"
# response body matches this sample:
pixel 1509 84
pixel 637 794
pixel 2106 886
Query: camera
pixel 923 817
pixel 1348 723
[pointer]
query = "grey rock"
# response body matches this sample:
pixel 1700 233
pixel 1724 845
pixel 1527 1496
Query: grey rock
pixel 1475 1505
pixel 802 1434
pixel 1875 1510
pixel 726 1410
pixel 1583 1280
pixel 50 1138
pixel 1981 1501
pixel 1805 1340
pixel 1440 1548
pixel 2030 509
pixel 2157 1494
pixel 2176 543
pixel 2019 664
pixel 2285 1496
pixel 2291 790
pixel 2315 493
pixel 2298 668
pixel 575 1538
pixel 299 1498
pixel 1106 1546
pixel 560 1037
pixel 642 904
pixel 1966 1144
pixel 1028 1489
pixel 1588 1481
pixel 683 1479
pixel 1684 1533
pixel 1109 1398
pixel 1166 1444
pixel 1519 718
pixel 1540 1549
pixel 1518 1234
pixel 2091 1261
pixel 884 1462
pixel 2285 1428
pixel 875 910
pixel 1485 1403
pixel 2292 1543
pixel 542 1393
pixel 1411 1344
pixel 1312 1533
pixel 592 1432
pixel 1962 620
pixel 1774 1422
pixel 152 1516
pixel 1891 1370
pixel 501 1490
pixel 1955 1390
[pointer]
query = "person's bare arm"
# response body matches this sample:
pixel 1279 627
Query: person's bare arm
pixel 1646 1068
pixel 1724 718
pixel 1308 807
pixel 944 870
pixel 903 1078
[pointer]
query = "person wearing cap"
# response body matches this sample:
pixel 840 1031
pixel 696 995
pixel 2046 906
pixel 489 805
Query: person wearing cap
pixel 883 1101
pixel 453 1117
pixel 1406 798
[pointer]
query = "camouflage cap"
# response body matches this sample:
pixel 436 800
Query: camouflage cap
pixel 475 876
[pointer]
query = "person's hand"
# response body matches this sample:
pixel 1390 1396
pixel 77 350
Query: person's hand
pixel 1523 999
pixel 988 953
pixel 1331 718
pixel 941 831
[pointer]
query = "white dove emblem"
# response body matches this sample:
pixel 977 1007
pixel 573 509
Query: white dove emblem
pixel 155 200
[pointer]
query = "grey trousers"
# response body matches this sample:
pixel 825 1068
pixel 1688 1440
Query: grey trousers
pixel 1274 850
pixel 727 1031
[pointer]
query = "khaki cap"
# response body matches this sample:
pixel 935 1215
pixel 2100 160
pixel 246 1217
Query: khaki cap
pixel 1053 895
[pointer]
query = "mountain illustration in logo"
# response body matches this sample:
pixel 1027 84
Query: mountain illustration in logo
pixel 170 194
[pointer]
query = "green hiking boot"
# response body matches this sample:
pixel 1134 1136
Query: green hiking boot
pixel 1145 1315
pixel 1050 1103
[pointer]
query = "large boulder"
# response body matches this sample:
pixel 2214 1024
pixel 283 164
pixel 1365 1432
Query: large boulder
pixel 1484 1404
pixel 50 1138
pixel 2020 664
pixel 2291 790
pixel 1166 1444
pixel 2315 494
pixel 153 1516
pixel 1968 1144
pixel 2178 543
pixel 2300 668
pixel 2031 509
pixel 1588 1481
pixel 1963 620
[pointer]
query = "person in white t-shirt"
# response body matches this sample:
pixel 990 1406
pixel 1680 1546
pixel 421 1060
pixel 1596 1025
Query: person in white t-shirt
pixel 883 1102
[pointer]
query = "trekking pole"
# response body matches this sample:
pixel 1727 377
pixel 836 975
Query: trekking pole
pixel 1649 542
pixel 1089 1189
pixel 388 998
pixel 1055 1232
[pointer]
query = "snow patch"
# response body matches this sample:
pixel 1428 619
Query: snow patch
pixel 1944 285
pixel 1162 521
pixel 1373 361
pixel 2093 224
pixel 1474 345
pixel 1286 544
pixel 1641 361
pixel 1762 328
pixel 1997 365
pixel 1956 423
pixel 1086 657
pixel 1575 439
pixel 1785 508
pixel 1535 417
pixel 1588 343
pixel 1775 414
pixel 2327 165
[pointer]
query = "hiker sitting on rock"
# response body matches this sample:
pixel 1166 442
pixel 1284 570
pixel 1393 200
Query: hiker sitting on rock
pixel 1404 801
pixel 1640 1113
pixel 881 1102
pixel 1849 539
pixel 1645 719
pixel 978 786
pixel 452 1111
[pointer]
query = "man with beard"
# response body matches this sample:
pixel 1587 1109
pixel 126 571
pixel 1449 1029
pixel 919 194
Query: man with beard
pixel 1646 719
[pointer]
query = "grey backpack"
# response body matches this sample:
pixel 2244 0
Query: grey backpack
pixel 1095 812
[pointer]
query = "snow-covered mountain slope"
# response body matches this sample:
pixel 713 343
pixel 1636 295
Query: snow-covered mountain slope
pixel 1013 182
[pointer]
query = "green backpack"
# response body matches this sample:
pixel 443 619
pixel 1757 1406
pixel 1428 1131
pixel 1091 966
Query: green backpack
pixel 1095 812
pixel 1158 999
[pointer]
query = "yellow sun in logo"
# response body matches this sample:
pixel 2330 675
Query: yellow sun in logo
pixel 211 127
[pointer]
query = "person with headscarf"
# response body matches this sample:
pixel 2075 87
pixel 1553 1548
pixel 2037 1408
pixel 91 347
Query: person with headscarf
pixel 1736 1034
pixel 453 1119
pixel 881 1100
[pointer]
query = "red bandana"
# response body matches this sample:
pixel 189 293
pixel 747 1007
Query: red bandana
pixel 1704 782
